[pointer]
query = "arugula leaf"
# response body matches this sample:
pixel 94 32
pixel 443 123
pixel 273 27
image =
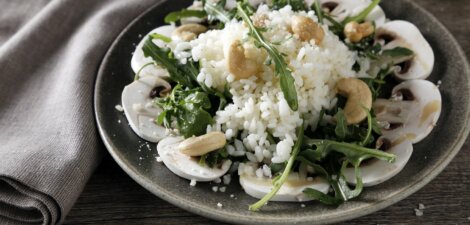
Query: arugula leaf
pixel 318 10
pixel 336 27
pixel 341 129
pixel 279 181
pixel 366 140
pixel 375 126
pixel 337 156
pixel 161 37
pixel 216 11
pixel 188 108
pixel 297 5
pixel 397 52
pixel 214 158
pixel 184 74
pixel 363 14
pixel 137 75
pixel 351 151
pixel 321 197
pixel 375 84
pixel 281 67
pixel 184 13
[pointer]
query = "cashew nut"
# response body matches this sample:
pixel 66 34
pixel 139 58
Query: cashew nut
pixel 238 64
pixel 307 29
pixel 355 32
pixel 197 146
pixel 190 31
pixel 359 99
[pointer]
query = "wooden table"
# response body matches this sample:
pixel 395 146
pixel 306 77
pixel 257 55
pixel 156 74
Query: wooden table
pixel 112 197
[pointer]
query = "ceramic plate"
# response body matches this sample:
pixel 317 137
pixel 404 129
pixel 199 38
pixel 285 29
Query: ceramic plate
pixel 429 158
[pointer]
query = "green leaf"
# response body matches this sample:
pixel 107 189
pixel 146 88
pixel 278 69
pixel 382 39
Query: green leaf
pixel 184 13
pixel 216 11
pixel 281 67
pixel 297 5
pixel 137 75
pixel 341 129
pixel 161 37
pixel 214 158
pixel 283 177
pixel 321 197
pixel 318 11
pixel 397 52
pixel 366 140
pixel 376 127
pixel 184 74
pixel 352 151
pixel 363 14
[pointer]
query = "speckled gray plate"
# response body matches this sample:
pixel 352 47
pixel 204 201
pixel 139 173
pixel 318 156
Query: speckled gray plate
pixel 429 157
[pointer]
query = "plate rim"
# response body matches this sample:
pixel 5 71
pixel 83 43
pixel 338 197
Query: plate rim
pixel 224 216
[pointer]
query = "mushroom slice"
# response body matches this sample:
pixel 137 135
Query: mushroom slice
pixel 412 111
pixel 138 60
pixel 374 171
pixel 291 190
pixel 341 9
pixel 186 166
pixel 140 111
pixel 404 34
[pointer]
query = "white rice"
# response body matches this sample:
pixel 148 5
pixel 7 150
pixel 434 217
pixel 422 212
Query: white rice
pixel 259 106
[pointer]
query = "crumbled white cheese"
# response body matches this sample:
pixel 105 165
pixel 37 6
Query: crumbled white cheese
pixel 227 178
pixel 193 183
pixel 217 181
pixel 302 205
pixel 418 212
pixel 119 108
pixel 215 188
pixel 421 206
pixel 222 189
pixel 233 196
pixel 219 205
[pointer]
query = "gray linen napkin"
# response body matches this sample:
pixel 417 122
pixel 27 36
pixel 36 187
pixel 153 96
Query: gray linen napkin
pixel 50 51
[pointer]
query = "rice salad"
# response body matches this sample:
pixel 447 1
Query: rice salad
pixel 301 100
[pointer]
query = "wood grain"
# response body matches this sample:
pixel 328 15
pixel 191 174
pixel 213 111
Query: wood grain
pixel 111 197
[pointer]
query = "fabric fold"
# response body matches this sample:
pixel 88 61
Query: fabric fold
pixel 49 143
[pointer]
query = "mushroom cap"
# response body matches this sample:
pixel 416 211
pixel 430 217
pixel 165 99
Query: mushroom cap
pixel 341 9
pixel 413 110
pixel 377 171
pixel 399 33
pixel 139 109
pixel 186 166
pixel 139 60
pixel 291 190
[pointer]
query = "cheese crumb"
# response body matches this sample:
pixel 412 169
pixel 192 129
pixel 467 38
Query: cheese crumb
pixel 193 183
pixel 421 206
pixel 222 189
pixel 418 212
pixel 302 205
pixel 217 181
pixel 119 108
pixel 215 188
pixel 233 196
pixel 219 205
pixel 227 178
